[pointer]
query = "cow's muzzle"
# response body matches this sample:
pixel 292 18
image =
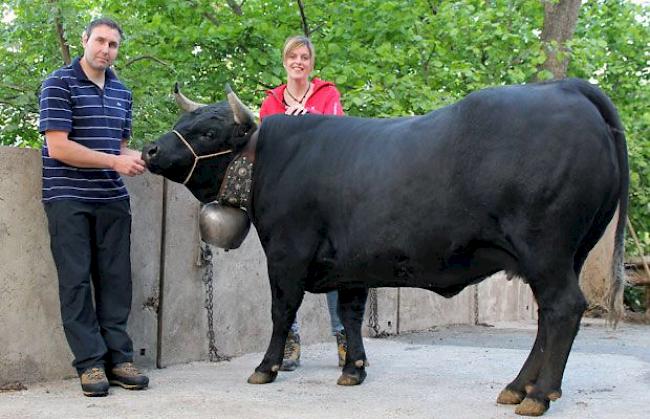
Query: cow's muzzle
pixel 149 155
pixel 149 152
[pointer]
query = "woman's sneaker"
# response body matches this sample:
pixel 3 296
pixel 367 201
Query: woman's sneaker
pixel 128 376
pixel 94 382
pixel 291 359
pixel 341 346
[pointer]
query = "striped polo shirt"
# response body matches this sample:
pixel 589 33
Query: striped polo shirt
pixel 95 118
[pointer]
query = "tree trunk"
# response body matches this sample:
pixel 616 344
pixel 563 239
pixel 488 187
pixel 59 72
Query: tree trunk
pixel 560 18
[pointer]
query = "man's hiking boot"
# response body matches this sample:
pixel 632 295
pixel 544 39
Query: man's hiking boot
pixel 291 359
pixel 342 347
pixel 128 376
pixel 94 382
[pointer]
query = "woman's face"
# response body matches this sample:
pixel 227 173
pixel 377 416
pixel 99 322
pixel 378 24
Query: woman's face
pixel 298 63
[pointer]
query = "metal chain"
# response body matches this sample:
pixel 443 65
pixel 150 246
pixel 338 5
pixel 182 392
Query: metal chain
pixel 476 305
pixel 373 318
pixel 205 261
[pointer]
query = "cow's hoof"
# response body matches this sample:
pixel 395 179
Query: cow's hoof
pixel 351 380
pixel 508 396
pixel 551 395
pixel 531 407
pixel 262 377
pixel 554 395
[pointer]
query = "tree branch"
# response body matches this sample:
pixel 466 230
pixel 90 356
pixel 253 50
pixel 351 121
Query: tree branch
pixel 265 86
pixel 21 89
pixel 425 65
pixel 434 6
pixel 303 17
pixel 63 42
pixel 316 29
pixel 236 8
pixel 13 87
pixel 147 57
pixel 25 109
pixel 212 18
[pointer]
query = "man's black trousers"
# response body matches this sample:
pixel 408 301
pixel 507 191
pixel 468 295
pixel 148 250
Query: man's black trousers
pixel 91 242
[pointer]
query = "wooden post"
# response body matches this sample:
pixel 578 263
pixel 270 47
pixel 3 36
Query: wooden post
pixel 645 267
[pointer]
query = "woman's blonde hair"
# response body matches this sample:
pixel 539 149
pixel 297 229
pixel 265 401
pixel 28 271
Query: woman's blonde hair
pixel 297 41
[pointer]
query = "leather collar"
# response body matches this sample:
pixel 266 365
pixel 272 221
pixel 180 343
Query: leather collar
pixel 236 186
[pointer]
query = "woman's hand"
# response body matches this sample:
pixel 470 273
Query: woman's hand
pixel 295 110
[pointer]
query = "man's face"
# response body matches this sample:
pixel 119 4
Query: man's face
pixel 100 48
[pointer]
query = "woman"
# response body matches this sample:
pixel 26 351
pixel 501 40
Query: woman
pixel 300 96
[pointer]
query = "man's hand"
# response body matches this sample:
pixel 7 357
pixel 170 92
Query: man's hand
pixel 131 163
pixel 128 165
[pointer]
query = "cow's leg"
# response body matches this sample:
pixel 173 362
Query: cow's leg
pixel 352 304
pixel 515 392
pixel 285 303
pixel 561 305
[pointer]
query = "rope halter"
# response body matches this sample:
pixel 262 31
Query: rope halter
pixel 197 157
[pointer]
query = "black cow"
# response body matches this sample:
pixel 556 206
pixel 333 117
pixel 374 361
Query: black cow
pixel 518 178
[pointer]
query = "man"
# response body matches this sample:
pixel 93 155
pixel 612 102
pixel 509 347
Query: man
pixel 85 115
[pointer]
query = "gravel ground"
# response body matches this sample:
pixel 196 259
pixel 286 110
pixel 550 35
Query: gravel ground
pixel 450 372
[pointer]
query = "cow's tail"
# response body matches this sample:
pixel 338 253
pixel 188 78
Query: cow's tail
pixel 610 115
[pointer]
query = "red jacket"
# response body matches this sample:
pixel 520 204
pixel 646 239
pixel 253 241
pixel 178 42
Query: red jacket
pixel 324 100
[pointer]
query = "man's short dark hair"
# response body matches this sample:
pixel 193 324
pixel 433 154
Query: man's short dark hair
pixel 103 21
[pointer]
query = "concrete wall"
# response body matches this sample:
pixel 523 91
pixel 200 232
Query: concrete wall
pixel 181 315
pixel 146 199
pixel 494 300
pixel 169 320
pixel 32 345
pixel 503 300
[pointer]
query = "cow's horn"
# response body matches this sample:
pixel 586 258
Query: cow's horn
pixel 185 104
pixel 243 115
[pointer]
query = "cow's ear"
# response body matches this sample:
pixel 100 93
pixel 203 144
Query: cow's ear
pixel 243 115
pixel 244 132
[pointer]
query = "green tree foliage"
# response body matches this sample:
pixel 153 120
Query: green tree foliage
pixel 387 57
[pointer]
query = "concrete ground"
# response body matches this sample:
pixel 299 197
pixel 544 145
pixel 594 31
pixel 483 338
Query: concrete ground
pixel 450 372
